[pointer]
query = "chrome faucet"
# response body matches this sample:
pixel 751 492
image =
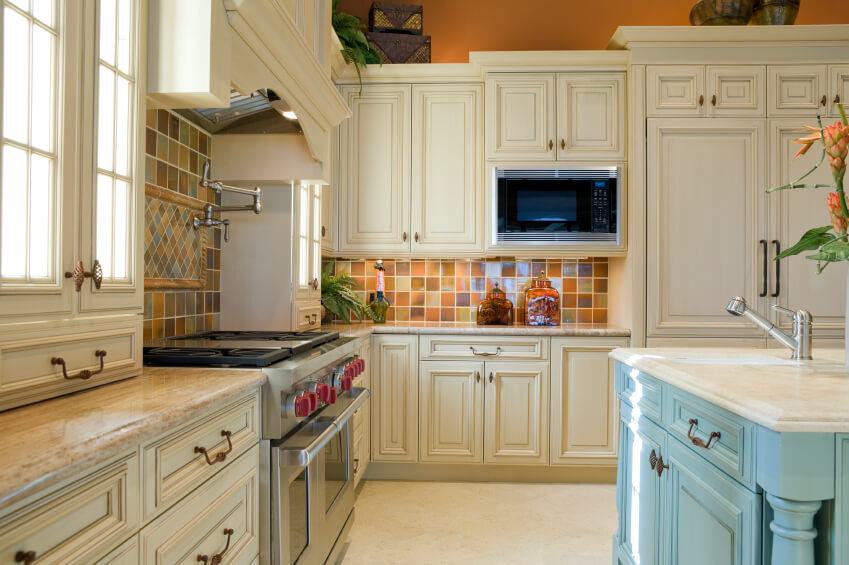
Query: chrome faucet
pixel 800 343
pixel 208 220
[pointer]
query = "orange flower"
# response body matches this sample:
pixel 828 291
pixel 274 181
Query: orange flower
pixel 808 140
pixel 838 222
pixel 836 139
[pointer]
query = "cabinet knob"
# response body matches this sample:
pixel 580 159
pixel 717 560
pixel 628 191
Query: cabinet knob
pixel 656 463
pixel 79 274
pixel 562 144
pixel 477 376
pixel 404 236
pixel 490 376
pixel 837 99
pixel 713 100
pixel 25 557
pixel 323 231
pixel 823 101
pixel 416 237
pixel 701 99
pixel 550 144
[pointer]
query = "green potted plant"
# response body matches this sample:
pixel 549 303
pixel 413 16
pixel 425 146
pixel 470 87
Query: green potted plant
pixel 355 47
pixel 338 297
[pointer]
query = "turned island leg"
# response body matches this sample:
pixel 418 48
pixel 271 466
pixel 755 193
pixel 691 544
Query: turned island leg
pixel 793 530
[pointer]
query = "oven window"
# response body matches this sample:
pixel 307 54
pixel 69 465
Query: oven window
pixel 335 466
pixel 298 516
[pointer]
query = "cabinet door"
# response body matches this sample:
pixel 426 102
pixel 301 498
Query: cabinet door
pixel 797 90
pixel 111 195
pixel 792 213
pixel 374 160
pixel 301 250
pixel 675 90
pixel 712 519
pixel 584 411
pixel 590 117
pixel 520 116
pixel 705 189
pixel 639 495
pixel 838 88
pixel 451 411
pixel 447 168
pixel 395 398
pixel 735 90
pixel 329 198
pixel 516 412
pixel 315 243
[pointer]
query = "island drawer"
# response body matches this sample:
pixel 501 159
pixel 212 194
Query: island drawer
pixel 489 348
pixel 693 420
pixel 172 466
pixel 639 390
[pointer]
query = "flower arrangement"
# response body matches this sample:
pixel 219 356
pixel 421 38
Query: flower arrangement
pixel 829 242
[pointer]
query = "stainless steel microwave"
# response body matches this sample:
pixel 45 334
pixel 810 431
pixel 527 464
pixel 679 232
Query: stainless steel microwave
pixel 556 206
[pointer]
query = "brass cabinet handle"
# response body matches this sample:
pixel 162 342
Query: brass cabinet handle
pixel 356 465
pixel 713 100
pixel 221 455
pixel 562 144
pixel 477 376
pixel 79 274
pixel 484 353
pixel 701 99
pixel 25 557
pixel 698 441
pixel 323 231
pixel 314 318
pixel 314 284
pixel 404 236
pixel 837 99
pixel 490 376
pixel 657 463
pixel 416 237
pixel 218 557
pixel 85 373
pixel 550 144
pixel 823 101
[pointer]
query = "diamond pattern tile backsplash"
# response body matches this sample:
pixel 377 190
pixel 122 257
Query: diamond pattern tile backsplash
pixel 173 249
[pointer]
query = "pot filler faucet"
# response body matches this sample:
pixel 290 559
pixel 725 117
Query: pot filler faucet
pixel 207 220
pixel 800 343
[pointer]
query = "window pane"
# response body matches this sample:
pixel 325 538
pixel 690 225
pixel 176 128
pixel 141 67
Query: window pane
pixel 22 4
pixel 124 32
pixel 107 31
pixel 123 131
pixel 13 221
pixel 42 88
pixel 41 206
pixel 120 225
pixel 43 10
pixel 15 75
pixel 105 118
pixel 103 226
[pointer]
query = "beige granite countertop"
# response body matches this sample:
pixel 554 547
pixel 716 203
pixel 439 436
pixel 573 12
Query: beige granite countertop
pixel 464 328
pixel 761 385
pixel 46 442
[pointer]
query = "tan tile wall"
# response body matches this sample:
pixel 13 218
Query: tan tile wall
pixel 451 290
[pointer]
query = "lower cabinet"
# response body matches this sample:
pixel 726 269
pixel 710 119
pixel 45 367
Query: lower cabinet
pixel 451 411
pixel 125 554
pixel 362 417
pixel 395 398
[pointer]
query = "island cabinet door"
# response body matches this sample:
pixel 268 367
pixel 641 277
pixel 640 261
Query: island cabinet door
pixel 712 519
pixel 516 412
pixel 395 398
pixel 451 411
pixel 640 495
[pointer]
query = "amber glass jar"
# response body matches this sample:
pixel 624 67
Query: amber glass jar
pixel 495 309
pixel 542 303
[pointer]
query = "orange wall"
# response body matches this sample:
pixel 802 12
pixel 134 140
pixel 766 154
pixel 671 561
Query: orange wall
pixel 459 26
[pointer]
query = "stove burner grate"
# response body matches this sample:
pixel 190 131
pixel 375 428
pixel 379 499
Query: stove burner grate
pixel 184 352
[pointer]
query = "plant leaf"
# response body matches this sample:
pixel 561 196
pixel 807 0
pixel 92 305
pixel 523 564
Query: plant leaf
pixel 812 239
pixel 837 250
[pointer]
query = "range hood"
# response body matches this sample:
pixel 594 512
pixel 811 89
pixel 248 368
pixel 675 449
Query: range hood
pixel 262 111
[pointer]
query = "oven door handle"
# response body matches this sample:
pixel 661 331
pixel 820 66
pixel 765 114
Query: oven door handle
pixel 303 456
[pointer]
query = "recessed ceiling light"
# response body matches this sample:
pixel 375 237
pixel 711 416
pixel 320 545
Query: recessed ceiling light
pixel 289 114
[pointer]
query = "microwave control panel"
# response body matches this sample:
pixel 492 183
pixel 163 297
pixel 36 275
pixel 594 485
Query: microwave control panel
pixel 600 209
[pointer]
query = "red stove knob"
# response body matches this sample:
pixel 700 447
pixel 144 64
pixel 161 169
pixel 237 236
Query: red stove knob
pixel 362 364
pixel 345 383
pixel 332 398
pixel 349 370
pixel 323 392
pixel 313 398
pixel 302 407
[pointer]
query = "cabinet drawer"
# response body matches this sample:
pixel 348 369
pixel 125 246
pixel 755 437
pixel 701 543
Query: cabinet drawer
pixel 126 554
pixel 306 316
pixel 732 451
pixel 674 90
pixel 640 390
pixel 198 524
pixel 502 348
pixel 796 90
pixel 77 523
pixel 27 374
pixel 171 465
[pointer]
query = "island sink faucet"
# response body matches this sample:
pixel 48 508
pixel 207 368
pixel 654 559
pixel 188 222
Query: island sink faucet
pixel 800 343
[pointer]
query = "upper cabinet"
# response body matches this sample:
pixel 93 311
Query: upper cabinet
pixel 705 91
pixel 807 90
pixel 548 117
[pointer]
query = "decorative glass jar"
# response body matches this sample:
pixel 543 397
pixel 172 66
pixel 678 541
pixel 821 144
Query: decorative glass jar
pixel 495 309
pixel 542 303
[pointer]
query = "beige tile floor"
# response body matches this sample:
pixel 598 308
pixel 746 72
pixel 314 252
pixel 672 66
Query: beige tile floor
pixel 422 523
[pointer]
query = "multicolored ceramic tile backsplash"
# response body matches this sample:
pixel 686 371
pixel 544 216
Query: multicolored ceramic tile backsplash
pixel 451 290
pixel 188 263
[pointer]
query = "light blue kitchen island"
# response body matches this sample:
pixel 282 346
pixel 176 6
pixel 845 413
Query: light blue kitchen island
pixel 732 456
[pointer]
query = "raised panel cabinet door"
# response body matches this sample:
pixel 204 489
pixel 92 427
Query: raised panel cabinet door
pixel 329 199
pixel 712 519
pixel 451 411
pixel 447 162
pixel 374 160
pixel 838 88
pixel 706 185
pixel 315 243
pixel 584 410
pixel 516 412
pixel 395 398
pixel 735 90
pixel 794 282
pixel 590 116
pixel 675 90
pixel 797 90
pixel 640 495
pixel 302 244
pixel 520 116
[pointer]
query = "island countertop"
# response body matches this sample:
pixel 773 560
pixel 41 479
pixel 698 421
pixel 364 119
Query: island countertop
pixel 469 328
pixel 761 385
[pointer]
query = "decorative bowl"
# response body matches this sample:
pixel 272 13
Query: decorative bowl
pixel 721 12
pixel 775 12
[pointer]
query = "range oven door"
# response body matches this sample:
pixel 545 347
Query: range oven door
pixel 312 484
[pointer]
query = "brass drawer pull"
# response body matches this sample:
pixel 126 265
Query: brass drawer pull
pixel 837 99
pixel 485 354
pixel 79 274
pixel 85 373
pixel 713 100
pixel 550 144
pixel 823 100
pixel 657 463
pixel 701 99
pixel 25 557
pixel 218 557
pixel 477 376
pixel 562 144
pixel 698 441
pixel 221 455
pixel 490 376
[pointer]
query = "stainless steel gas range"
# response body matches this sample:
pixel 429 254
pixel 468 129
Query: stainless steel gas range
pixel 307 486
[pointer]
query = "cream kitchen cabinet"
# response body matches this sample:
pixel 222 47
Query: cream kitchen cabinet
pixel 547 116
pixel 584 409
pixel 306 256
pixel 329 202
pixel 362 417
pixel 705 91
pixel 71 271
pixel 410 166
pixel 451 411
pixel 807 90
pixel 394 398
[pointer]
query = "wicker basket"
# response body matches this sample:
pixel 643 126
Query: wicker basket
pixel 401 47
pixel 400 18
